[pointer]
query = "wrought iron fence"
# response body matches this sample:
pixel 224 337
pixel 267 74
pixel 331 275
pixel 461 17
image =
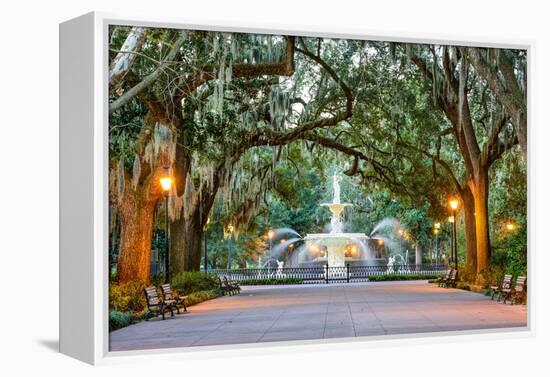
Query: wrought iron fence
pixel 326 274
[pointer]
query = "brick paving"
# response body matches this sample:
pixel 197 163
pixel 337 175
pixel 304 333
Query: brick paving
pixel 300 312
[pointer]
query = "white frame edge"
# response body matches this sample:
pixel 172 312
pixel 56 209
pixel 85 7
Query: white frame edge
pixel 84 214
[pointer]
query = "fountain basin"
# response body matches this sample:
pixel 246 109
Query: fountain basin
pixel 331 248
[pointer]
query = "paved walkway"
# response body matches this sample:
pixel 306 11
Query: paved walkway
pixel 282 313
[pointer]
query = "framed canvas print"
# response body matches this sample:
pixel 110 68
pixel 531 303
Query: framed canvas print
pixel 225 186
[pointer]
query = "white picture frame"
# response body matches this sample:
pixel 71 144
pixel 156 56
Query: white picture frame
pixel 84 188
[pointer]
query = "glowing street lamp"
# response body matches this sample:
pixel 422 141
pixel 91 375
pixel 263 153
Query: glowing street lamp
pixel 166 184
pixel 453 203
pixel 230 235
pixel 315 249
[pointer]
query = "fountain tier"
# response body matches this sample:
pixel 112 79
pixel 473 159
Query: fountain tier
pixel 331 248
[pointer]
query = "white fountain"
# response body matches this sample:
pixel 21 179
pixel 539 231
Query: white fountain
pixel 336 248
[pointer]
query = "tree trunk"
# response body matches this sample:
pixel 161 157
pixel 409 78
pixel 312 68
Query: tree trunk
pixel 185 242
pixel 480 190
pixel 177 241
pixel 418 253
pixel 136 223
pixel 470 230
pixel 187 231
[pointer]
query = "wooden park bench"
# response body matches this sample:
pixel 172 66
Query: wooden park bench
pixel 224 287
pixel 497 291
pixel 451 281
pixel 443 279
pixel 517 293
pixel 169 296
pixel 233 284
pixel 155 305
pixel 228 286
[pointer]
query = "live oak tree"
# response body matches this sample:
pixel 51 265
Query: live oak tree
pixel 401 129
pixel 480 128
pixel 222 110
pixel 505 72
pixel 222 103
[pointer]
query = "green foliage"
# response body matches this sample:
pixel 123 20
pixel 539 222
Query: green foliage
pixel 119 319
pixel 517 252
pixel 509 255
pixel 200 296
pixel 463 286
pixel 396 123
pixel 391 277
pixel 273 281
pixel 127 297
pixel 194 281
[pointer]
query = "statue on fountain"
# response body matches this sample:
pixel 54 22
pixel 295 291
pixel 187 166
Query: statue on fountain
pixel 279 272
pixel 391 261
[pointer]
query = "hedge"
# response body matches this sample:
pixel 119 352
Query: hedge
pixel 390 277
pixel 271 281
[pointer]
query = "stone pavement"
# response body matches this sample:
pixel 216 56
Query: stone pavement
pixel 299 312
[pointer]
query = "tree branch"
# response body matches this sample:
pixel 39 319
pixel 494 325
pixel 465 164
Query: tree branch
pixel 122 62
pixel 148 80
pixel 347 92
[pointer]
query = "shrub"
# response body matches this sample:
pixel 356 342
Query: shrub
pixel 194 281
pixel 198 297
pixel 127 297
pixel 463 286
pixel 118 320
pixel 272 281
pixel 390 277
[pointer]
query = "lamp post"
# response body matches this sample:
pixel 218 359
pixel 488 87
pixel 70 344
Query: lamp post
pixel 451 220
pixel 230 231
pixel 166 184
pixel 453 203
pixel 437 226
pixel 205 245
